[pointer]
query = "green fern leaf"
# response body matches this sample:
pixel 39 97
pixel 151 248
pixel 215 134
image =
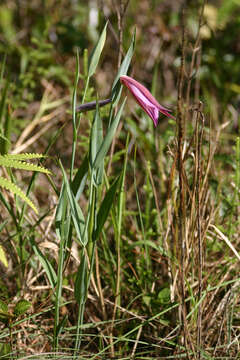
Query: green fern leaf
pixel 25 156
pixel 16 164
pixel 7 184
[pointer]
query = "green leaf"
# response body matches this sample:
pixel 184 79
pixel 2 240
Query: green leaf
pixel 7 184
pixel 16 164
pixel 61 325
pixel 5 349
pixel 108 138
pixel 21 307
pixel 95 144
pixel 117 87
pixel 105 208
pixel 164 296
pixel 5 139
pixel 51 275
pixel 76 212
pixel 3 307
pixel 95 56
pixel 80 286
pixel 62 216
pixel 3 99
pixel 24 156
pixel 226 10
pixel 4 314
pixel 80 178
pixel 3 257
pixel 74 98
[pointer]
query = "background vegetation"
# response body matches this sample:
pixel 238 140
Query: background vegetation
pixel 134 253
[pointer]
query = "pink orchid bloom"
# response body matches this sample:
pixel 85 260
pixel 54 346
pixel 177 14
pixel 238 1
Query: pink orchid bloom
pixel 145 99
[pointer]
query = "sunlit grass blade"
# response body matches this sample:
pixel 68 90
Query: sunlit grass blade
pixel 95 56
pixel 3 257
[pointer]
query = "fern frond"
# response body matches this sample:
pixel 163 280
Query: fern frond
pixel 16 164
pixel 25 156
pixel 7 184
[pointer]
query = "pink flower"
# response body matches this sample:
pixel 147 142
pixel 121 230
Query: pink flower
pixel 145 99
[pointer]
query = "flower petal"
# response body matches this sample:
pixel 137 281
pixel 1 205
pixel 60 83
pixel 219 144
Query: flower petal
pixel 145 99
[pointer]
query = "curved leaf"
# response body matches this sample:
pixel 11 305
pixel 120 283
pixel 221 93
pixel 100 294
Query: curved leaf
pixel 24 156
pixel 52 277
pixel 7 184
pixel 21 307
pixel 16 164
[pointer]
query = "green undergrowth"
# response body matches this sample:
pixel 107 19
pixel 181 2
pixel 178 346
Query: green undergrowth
pixel 112 244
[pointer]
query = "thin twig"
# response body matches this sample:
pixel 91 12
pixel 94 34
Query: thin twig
pixel 196 50
pixel 181 212
pixel 199 136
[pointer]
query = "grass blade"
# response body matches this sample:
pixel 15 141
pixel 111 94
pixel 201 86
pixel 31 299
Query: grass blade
pixel 108 138
pixel 95 56
pixel 80 178
pixel 63 222
pixel 80 286
pixel 9 185
pixel 117 87
pixel 50 272
pixel 95 144
pixel 76 212
pixel 105 208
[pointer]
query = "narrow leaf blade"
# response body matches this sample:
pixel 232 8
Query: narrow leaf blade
pixel 117 87
pixel 80 178
pixel 97 52
pixel 7 184
pixel 105 208
pixel 108 138
pixel 95 144
pixel 80 286
pixel 51 275
pixel 76 212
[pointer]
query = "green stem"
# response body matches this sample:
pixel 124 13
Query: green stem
pixel 58 294
pixel 90 227
pixel 76 123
